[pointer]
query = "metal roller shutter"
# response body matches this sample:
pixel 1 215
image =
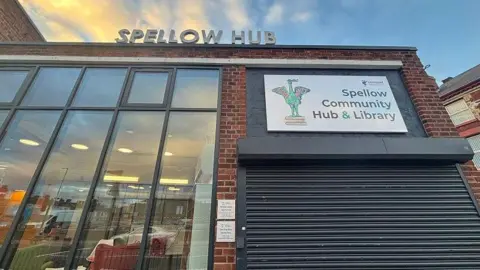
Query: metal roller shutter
pixel 394 217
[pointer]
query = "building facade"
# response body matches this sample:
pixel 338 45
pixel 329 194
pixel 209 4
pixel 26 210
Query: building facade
pixel 117 155
pixel 156 156
pixel 461 96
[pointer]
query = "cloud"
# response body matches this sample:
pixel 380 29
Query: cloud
pixel 236 12
pixel 93 20
pixel 191 14
pixel 78 20
pixel 301 16
pixel 274 14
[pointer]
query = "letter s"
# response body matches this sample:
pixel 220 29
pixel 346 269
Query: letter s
pixel 345 92
pixel 123 34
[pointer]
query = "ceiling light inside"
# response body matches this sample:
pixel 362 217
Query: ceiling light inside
pixel 173 189
pixel 79 146
pixel 168 154
pixel 29 142
pixel 125 150
pixel 167 181
pixel 118 178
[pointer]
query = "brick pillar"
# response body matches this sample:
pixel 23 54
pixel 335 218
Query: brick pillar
pixel 233 125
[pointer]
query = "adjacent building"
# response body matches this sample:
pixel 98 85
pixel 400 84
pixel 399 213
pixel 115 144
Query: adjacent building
pixel 211 156
pixel 461 97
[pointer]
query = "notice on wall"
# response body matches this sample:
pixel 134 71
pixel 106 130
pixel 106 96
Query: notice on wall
pixel 226 209
pixel 226 231
pixel 331 103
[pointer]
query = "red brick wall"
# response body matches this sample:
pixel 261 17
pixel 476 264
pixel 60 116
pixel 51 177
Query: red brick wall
pixel 469 129
pixel 421 87
pixel 15 25
pixel 233 125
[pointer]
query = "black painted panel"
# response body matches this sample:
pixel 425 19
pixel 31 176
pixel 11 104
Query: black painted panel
pixel 256 117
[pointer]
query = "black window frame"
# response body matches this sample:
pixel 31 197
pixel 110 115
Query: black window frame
pixel 121 105
pixel 131 78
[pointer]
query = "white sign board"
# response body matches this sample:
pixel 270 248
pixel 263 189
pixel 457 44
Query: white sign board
pixel 331 103
pixel 226 209
pixel 226 231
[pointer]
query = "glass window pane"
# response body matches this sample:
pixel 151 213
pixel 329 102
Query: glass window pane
pixel 474 143
pixel 148 87
pixel 181 221
pixel 20 153
pixel 11 80
pixel 3 116
pixel 51 87
pixel 52 214
pixel 196 88
pixel 476 160
pixel 100 87
pixel 121 196
pixel 456 107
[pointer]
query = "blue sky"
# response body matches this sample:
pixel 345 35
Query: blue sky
pixel 446 32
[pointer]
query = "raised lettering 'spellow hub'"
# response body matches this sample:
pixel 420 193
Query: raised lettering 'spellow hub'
pixel 191 36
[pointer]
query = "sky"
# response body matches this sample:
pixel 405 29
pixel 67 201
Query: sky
pixel 446 32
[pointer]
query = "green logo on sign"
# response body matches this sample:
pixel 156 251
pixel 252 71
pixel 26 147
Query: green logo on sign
pixel 293 98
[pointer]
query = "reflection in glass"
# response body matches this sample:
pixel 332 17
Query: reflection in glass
pixel 115 223
pixel 100 87
pixel 148 87
pixel 3 116
pixel 51 87
pixel 18 160
pixel 11 80
pixel 181 221
pixel 195 88
pixel 49 222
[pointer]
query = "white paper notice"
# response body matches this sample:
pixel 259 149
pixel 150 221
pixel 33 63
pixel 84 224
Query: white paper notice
pixel 226 209
pixel 226 231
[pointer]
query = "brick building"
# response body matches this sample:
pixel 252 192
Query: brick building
pixel 15 24
pixel 102 143
pixel 461 96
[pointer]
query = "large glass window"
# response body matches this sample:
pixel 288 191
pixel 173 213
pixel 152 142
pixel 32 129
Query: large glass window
pixel 153 168
pixel 51 87
pixel 10 82
pixel 182 200
pixel 195 88
pixel 148 87
pixel 59 195
pixel 117 218
pixel 100 87
pixel 20 151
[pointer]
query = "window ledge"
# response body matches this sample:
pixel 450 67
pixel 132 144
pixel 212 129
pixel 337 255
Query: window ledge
pixel 466 123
